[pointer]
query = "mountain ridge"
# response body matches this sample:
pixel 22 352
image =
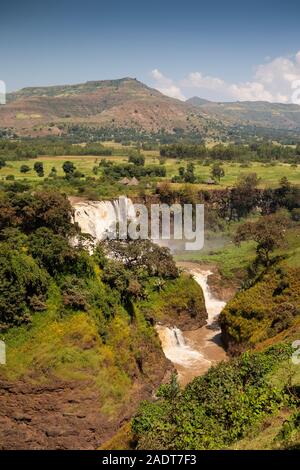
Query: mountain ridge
pixel 129 103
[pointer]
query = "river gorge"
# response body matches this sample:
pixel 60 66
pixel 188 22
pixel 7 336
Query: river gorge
pixel 191 352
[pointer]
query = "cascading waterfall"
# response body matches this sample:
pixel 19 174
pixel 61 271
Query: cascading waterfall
pixel 175 347
pixel 213 305
pixel 192 352
pixel 98 218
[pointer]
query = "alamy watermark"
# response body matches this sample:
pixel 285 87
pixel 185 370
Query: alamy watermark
pixel 296 92
pixel 2 353
pixel 124 220
pixel 296 353
pixel 2 92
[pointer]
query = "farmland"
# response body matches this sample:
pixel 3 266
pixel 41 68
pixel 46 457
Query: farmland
pixel 269 174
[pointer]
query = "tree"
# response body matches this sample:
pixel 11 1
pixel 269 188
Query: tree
pixel 143 255
pixel 53 172
pixel 217 172
pixel 56 254
pixel 69 169
pixel 39 168
pixel 22 284
pixel 8 215
pixel 189 176
pixel 2 162
pixel 25 169
pixel 49 209
pixel 268 233
pixel 181 171
pixel 136 159
pixel 286 195
pixel 244 196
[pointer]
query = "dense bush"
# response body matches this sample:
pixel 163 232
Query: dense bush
pixel 22 284
pixel 214 410
pixel 265 151
pixel 263 310
pixel 32 148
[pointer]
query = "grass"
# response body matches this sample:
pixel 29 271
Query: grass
pixel 270 175
pixel 122 440
pixel 266 435
pixel 233 259
pixel 84 346
pixel 263 436
pixel 220 250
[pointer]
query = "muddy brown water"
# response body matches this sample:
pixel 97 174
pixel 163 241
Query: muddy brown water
pixel 194 352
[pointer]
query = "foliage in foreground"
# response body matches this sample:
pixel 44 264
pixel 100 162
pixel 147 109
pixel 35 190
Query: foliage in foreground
pixel 216 409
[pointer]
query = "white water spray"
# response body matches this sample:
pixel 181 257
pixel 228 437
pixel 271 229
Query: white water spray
pixel 213 305
pixel 175 347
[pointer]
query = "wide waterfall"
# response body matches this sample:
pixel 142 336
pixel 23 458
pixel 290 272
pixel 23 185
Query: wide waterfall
pixel 99 218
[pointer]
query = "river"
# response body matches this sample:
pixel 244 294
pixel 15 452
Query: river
pixel 194 352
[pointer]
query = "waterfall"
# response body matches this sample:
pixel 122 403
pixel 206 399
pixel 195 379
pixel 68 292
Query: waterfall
pixel 175 347
pixel 213 305
pixel 179 337
pixel 98 218
pixel 193 352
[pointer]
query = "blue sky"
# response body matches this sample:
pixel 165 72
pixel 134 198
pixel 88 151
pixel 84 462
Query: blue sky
pixel 217 50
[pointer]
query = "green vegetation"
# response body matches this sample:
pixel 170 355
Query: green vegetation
pixel 269 306
pixel 66 314
pixel 32 148
pixel 265 151
pixel 95 177
pixel 217 409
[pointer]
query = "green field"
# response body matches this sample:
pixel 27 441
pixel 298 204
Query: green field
pixel 232 259
pixel 269 175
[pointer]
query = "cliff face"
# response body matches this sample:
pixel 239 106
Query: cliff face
pixel 75 390
pixel 64 414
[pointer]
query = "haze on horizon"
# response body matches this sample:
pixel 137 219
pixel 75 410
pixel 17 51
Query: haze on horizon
pixel 220 52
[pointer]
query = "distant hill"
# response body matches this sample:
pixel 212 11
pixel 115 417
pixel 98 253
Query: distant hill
pixel 130 104
pixel 258 113
pixel 196 101
pixel 108 103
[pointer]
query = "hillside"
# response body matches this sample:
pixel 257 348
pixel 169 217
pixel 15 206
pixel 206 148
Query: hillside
pixel 127 103
pixel 81 349
pixel 255 113
pixel 110 103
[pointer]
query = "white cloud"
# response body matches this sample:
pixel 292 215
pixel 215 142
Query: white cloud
pixel 166 86
pixel 273 81
pixel 249 91
pixel 197 80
